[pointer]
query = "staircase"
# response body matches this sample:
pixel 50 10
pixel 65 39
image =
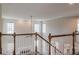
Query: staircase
pixel 36 52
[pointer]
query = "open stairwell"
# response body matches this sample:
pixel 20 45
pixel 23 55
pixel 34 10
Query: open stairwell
pixel 56 51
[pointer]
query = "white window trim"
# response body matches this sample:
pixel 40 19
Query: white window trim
pixel 10 28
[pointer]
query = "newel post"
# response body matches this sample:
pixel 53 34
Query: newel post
pixel 36 43
pixel 73 47
pixel 0 43
pixel 14 36
pixel 49 39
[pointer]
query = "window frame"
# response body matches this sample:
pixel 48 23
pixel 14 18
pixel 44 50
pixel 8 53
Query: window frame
pixel 44 28
pixel 37 27
pixel 10 28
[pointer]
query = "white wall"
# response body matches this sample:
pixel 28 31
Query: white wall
pixel 65 25
pixel 61 25
pixel 0 18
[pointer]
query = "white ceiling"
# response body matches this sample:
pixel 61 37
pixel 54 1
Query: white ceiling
pixel 39 11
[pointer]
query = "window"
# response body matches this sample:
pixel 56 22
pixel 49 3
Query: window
pixel 10 28
pixel 78 24
pixel 36 28
pixel 44 28
pixel 77 27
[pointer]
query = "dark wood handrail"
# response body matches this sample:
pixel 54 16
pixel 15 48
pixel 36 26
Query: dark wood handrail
pixel 61 35
pixel 77 34
pixel 49 43
pixel 7 34
pixel 18 34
